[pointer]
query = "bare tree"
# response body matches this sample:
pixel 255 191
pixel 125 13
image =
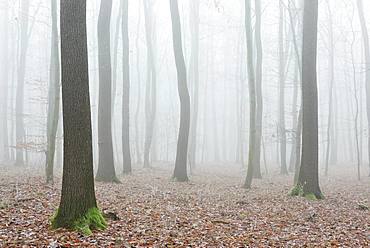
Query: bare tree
pixel 194 79
pixel 365 36
pixel 259 114
pixel 126 91
pixel 252 95
pixel 282 129
pixel 19 104
pixel 78 202
pixel 106 171
pixel 54 94
pixel 151 84
pixel 180 173
pixel 308 179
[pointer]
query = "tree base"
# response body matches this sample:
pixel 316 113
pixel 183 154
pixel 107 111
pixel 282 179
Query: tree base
pixel 180 179
pixel 102 179
pixel 92 220
pixel 312 196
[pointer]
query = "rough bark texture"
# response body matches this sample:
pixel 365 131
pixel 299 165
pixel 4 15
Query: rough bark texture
pixel 365 36
pixel 106 171
pixel 252 95
pixel 54 95
pixel 180 173
pixel 19 129
pixel 259 114
pixel 308 174
pixel 126 91
pixel 78 195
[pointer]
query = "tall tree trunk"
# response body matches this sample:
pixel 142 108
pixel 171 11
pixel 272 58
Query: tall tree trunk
pixel 126 91
pixel 282 129
pixel 331 86
pixel 252 95
pixel 138 103
pixel 19 108
pixel 180 173
pixel 106 171
pixel 309 174
pixel 365 36
pixel 194 78
pixel 151 84
pixel 78 194
pixel 54 95
pixel 4 77
pixel 259 114
pixel 114 81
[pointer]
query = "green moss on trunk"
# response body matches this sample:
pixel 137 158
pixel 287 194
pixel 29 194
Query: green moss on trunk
pixel 92 220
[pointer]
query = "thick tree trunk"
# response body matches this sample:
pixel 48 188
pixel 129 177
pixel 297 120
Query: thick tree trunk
pixel 365 36
pixel 106 171
pixel 19 108
pixel 180 173
pixel 259 114
pixel 54 95
pixel 308 174
pixel 78 195
pixel 126 91
pixel 252 95
pixel 194 77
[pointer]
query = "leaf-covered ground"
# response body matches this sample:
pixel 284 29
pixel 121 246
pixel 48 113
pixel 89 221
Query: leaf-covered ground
pixel 212 210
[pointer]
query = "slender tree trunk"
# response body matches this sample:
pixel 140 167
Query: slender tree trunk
pixel 252 95
pixel 180 173
pixel 282 129
pixel 54 95
pixel 4 77
pixel 106 171
pixel 19 108
pixel 114 81
pixel 365 37
pixel 78 194
pixel 309 173
pixel 259 115
pixel 138 103
pixel 126 91
pixel 151 86
pixel 331 86
pixel 194 77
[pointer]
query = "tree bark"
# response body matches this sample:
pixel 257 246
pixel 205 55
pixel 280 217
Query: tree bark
pixel 282 129
pixel 4 76
pixel 19 108
pixel 308 174
pixel 54 95
pixel 106 171
pixel 252 95
pixel 78 195
pixel 180 173
pixel 194 78
pixel 126 92
pixel 151 84
pixel 365 36
pixel 259 99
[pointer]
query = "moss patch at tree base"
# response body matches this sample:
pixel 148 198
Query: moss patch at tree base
pixel 92 220
pixel 299 191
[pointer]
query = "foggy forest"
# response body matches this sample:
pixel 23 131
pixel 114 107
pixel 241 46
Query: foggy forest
pixel 184 123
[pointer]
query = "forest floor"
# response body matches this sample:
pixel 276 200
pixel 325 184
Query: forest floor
pixel 212 210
